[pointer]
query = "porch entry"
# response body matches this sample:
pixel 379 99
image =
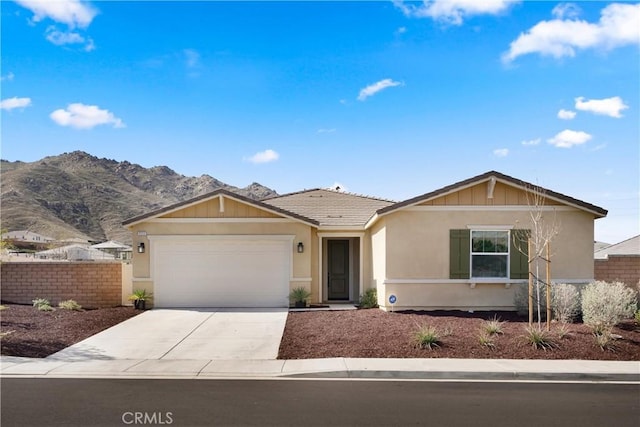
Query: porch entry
pixel 341 266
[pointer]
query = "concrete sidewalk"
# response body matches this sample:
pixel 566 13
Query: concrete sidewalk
pixel 440 369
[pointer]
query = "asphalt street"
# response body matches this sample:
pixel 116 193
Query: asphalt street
pixel 118 402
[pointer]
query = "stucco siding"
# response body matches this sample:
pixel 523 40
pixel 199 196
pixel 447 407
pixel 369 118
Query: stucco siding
pixel 418 241
pixel 448 296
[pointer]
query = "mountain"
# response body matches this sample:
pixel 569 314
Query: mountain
pixel 77 195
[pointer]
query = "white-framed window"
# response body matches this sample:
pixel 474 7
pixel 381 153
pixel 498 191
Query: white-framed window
pixel 490 253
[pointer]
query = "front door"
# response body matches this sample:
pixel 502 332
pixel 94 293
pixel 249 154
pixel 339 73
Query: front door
pixel 338 266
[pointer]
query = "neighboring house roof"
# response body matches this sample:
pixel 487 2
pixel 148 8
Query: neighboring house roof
pixel 597 211
pixel 330 208
pixel 112 244
pixel 626 247
pixel 600 245
pixel 216 193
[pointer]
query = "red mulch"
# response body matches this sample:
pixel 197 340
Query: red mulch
pixel 374 333
pixel 34 333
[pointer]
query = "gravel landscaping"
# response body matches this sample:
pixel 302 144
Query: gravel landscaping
pixel 356 333
pixel 374 333
pixel 28 332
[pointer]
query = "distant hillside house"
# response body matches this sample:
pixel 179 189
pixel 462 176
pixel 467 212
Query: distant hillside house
pixel 75 252
pixel 27 237
pixel 117 249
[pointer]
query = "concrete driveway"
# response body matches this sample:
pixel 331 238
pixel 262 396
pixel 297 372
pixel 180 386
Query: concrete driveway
pixel 201 334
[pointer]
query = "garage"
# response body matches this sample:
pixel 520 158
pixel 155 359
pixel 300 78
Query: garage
pixel 221 271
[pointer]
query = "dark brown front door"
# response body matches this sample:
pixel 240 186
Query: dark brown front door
pixel 338 266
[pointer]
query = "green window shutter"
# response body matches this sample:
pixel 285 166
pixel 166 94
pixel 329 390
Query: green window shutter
pixel 519 256
pixel 459 247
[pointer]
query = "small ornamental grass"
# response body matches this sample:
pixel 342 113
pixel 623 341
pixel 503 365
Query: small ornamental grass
pixel 538 338
pixel 70 305
pixel 493 326
pixel 3 307
pixel 563 331
pixel 637 316
pixel 427 337
pixel 42 304
pixel 486 340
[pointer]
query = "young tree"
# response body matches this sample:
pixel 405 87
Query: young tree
pixel 543 229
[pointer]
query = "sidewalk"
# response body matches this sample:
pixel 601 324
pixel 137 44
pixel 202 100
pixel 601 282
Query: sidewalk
pixel 438 369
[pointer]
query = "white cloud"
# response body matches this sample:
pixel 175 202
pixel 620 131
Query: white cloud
pixel 566 114
pixel 82 116
pixel 15 102
pixel 265 156
pixel 568 138
pixel 618 26
pixel 566 10
pixel 453 11
pixel 401 30
pixel 376 87
pixel 73 13
pixel 332 130
pixel 501 152
pixel 607 107
pixel 62 38
pixel 9 77
pixel 599 147
pixel 531 142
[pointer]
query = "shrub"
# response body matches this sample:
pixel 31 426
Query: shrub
pixel 604 304
pixel 42 304
pixel 427 337
pixel 538 338
pixel 369 299
pixel 565 301
pixel 493 326
pixel 637 316
pixel 70 305
pixel 521 300
pixel 3 307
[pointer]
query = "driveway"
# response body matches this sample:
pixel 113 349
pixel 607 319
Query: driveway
pixel 202 334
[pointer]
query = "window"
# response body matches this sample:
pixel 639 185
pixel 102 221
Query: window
pixel 489 253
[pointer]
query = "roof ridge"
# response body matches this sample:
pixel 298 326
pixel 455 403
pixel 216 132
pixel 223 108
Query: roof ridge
pixel 365 196
pixel 293 193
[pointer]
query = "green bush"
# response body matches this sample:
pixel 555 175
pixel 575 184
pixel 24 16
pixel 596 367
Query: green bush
pixel 369 299
pixel 42 304
pixel 565 302
pixel 299 294
pixel 70 305
pixel 427 337
pixel 637 316
pixel 604 304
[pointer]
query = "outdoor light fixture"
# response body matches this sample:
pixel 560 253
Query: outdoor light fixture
pixel 300 247
pixel 140 248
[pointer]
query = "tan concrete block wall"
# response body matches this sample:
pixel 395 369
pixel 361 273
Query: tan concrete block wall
pixel 91 284
pixel 620 268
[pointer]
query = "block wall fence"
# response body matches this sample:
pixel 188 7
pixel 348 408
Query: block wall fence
pixel 620 268
pixel 90 284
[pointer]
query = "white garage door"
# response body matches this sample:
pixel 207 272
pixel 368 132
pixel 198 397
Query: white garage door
pixel 221 271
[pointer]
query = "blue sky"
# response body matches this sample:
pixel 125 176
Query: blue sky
pixel 386 98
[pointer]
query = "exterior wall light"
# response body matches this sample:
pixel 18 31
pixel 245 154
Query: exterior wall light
pixel 140 248
pixel 300 247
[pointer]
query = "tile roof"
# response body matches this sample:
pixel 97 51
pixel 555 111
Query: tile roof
pixel 329 207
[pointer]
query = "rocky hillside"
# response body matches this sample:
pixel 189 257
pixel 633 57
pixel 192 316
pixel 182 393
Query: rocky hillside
pixel 79 195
